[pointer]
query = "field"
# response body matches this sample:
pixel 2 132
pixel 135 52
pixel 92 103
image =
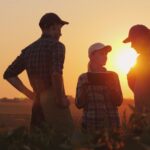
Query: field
pixel 17 113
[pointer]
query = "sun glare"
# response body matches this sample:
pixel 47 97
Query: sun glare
pixel 125 59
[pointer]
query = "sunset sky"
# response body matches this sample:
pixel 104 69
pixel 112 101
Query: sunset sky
pixel 106 21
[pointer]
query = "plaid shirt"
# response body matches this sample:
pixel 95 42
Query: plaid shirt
pixel 101 101
pixel 40 60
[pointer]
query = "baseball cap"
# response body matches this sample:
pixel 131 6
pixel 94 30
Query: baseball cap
pixel 50 19
pixel 98 46
pixel 135 31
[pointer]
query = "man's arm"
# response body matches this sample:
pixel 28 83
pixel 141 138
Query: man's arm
pixel 17 83
pixel 57 84
pixel 12 72
pixel 58 57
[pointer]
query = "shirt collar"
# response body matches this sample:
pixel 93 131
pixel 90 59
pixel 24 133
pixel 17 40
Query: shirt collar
pixel 46 36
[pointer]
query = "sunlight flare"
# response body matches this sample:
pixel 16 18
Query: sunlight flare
pixel 125 59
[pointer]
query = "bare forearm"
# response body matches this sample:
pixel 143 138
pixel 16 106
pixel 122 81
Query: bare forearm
pixel 17 83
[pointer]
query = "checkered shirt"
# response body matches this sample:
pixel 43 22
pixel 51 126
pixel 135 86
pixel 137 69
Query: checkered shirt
pixel 99 109
pixel 40 59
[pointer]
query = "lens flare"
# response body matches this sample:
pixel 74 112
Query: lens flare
pixel 125 59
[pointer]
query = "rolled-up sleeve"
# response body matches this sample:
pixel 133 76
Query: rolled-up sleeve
pixel 15 68
pixel 58 57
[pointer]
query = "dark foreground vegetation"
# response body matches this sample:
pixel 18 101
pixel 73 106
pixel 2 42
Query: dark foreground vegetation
pixel 134 134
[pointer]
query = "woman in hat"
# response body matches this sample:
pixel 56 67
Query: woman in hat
pixel 98 92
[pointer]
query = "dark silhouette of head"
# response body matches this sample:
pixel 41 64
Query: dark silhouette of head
pixel 50 19
pixel 51 25
pixel 139 36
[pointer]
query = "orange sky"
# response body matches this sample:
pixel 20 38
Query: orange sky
pixel 90 21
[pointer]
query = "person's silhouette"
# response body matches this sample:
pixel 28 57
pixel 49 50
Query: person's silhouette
pixel 43 60
pixel 139 75
pixel 99 92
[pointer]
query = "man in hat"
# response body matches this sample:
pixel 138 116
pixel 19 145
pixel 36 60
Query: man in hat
pixel 43 60
pixel 139 76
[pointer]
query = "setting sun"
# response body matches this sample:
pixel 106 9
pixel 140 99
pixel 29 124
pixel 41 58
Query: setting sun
pixel 125 59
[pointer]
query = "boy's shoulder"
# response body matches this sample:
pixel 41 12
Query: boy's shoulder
pixel 83 75
pixel 83 78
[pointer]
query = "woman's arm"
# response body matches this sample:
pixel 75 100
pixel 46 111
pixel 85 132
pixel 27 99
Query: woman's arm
pixel 81 93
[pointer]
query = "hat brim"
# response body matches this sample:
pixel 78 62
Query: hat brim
pixel 127 40
pixel 64 22
pixel 107 48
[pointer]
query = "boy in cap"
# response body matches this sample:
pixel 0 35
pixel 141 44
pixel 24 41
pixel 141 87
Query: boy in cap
pixel 139 75
pixel 43 60
pixel 99 92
